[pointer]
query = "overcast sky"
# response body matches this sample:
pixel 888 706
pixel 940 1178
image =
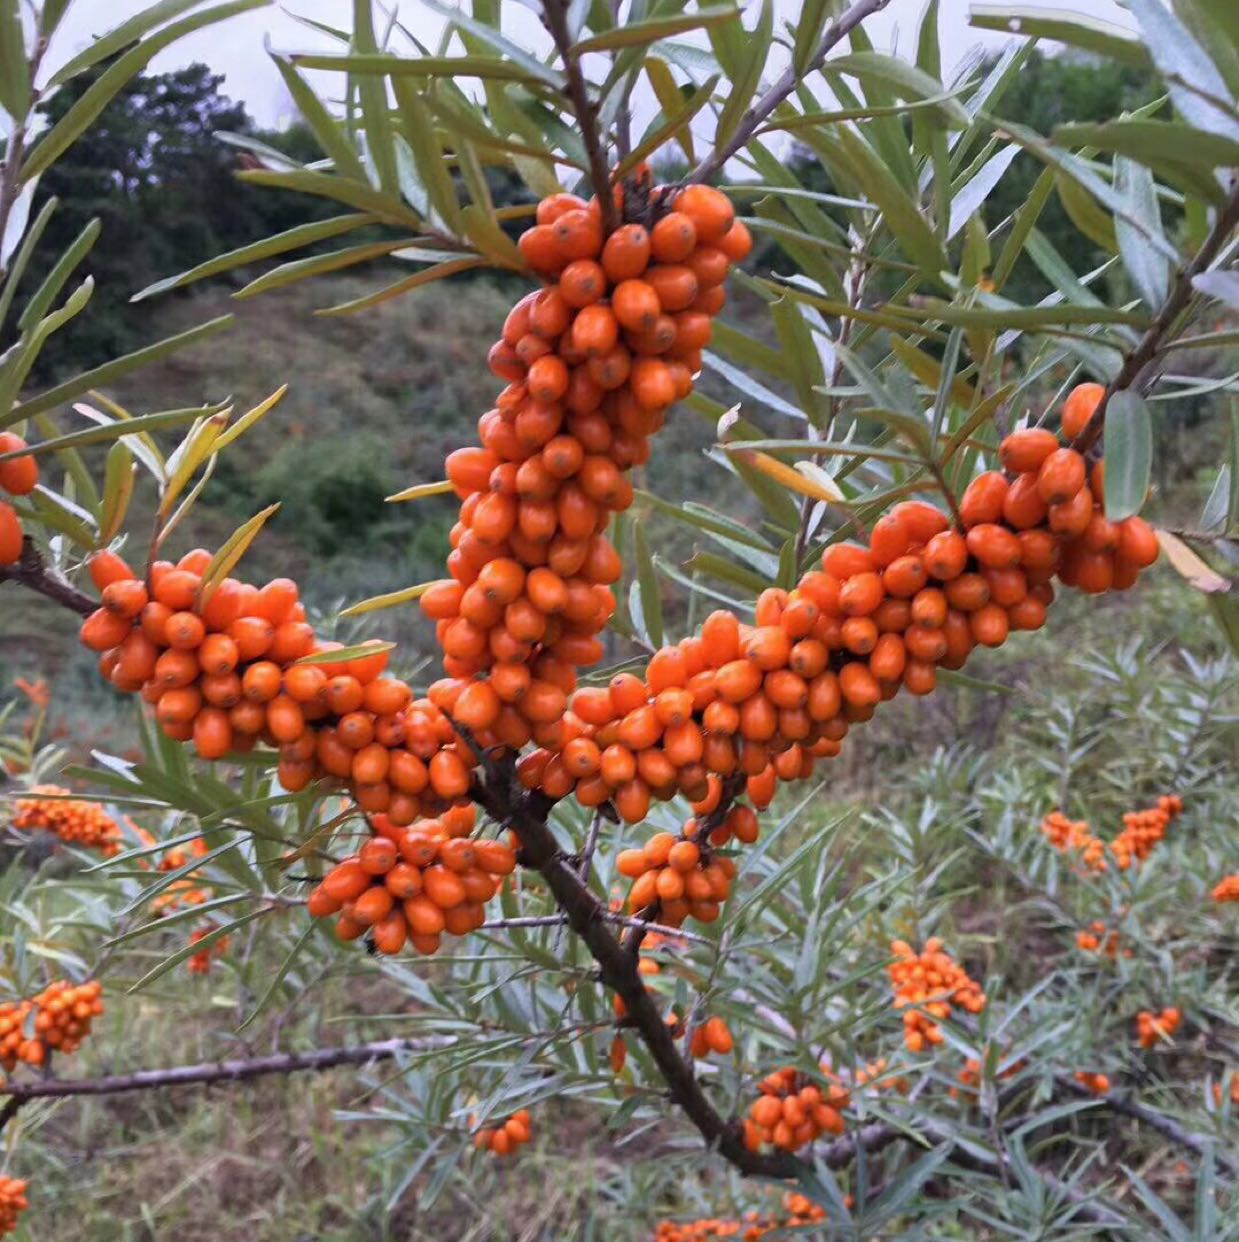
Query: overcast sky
pixel 235 48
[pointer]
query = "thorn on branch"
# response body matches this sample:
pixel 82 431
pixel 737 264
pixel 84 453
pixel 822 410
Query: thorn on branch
pixel 31 572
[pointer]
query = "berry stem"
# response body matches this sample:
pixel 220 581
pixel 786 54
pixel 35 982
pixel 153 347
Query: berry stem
pixel 761 111
pixel 31 572
pixel 1134 373
pixel 526 814
pixel 555 14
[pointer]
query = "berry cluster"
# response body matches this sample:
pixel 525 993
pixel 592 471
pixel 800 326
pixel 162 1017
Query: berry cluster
pixel 18 477
pixel 1072 836
pixel 1097 939
pixel 505 1139
pixel 970 1074
pixel 927 985
pixel 797 1210
pixel 1142 830
pixel 593 361
pixel 414 884
pixel 712 1036
pixel 1098 1084
pixel 200 963
pixel 72 820
pixel 793 1111
pixel 12 1189
pixel 1227 888
pixel 1152 1028
pixel 677 876
pixel 56 1020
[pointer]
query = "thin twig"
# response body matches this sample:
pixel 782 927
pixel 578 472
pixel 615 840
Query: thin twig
pixel 210 1071
pixel 1134 373
pixel 555 14
pixel 791 78
pixel 31 572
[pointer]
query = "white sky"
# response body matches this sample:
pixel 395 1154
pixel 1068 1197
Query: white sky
pixel 236 47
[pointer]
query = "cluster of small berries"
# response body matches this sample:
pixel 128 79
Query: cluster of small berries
pixel 76 822
pixel 797 1211
pixel 56 1020
pixel 1220 1090
pixel 1098 1084
pixel 13 1200
pixel 968 1079
pixel 927 985
pixel 793 1111
pixel 504 1140
pixel 593 361
pixel 1227 888
pixel 1097 939
pixel 18 477
pixel 413 884
pixel 201 962
pixel 1142 830
pixel 1153 1028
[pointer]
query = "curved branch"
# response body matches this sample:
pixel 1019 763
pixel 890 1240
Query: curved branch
pixel 760 112
pixel 31 572
pixel 1133 373
pixel 526 814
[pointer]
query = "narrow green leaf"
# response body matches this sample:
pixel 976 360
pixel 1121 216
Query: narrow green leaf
pixel 15 96
pixel 119 37
pixel 344 654
pixel 1148 269
pixel 670 99
pixel 17 361
pixel 327 130
pixel 43 297
pixel 119 477
pixel 811 22
pixel 315 265
pixel 428 275
pixel 905 81
pixel 198 946
pixel 1026 217
pixel 393 599
pixel 189 455
pixel 110 371
pixel 279 243
pixel 647 587
pixel 230 553
pixel 15 270
pixel 418 128
pixel 676 124
pixel 373 94
pixel 386 207
pixel 899 211
pixel 1145 140
pixel 396 67
pixel 633 34
pixel 1076 30
pixel 1193 78
pixel 114 430
pixel 1129 454
pixel 1084 212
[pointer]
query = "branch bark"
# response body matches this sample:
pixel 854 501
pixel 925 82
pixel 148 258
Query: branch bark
pixel 1134 372
pixel 757 115
pixel 555 15
pixel 526 814
pixel 31 572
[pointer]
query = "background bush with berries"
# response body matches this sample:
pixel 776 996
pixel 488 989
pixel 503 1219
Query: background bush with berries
pixel 801 846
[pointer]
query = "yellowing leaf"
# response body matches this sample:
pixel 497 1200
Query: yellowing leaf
pixel 1190 566
pixel 418 490
pixel 234 548
pixel 805 477
pixel 248 419
pixel 392 599
pixel 344 654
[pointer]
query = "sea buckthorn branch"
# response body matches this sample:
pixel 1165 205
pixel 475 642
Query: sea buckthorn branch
pixel 526 813
pixel 31 571
pixel 764 107
pixel 20 1093
pixel 1133 373
pixel 1117 1102
pixel 555 15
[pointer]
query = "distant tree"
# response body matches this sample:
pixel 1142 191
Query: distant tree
pixel 159 178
